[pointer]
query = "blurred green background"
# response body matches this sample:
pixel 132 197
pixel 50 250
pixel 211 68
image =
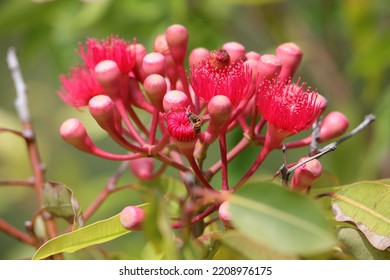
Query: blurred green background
pixel 346 47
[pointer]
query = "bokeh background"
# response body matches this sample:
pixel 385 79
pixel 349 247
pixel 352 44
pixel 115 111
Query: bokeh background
pixel 346 47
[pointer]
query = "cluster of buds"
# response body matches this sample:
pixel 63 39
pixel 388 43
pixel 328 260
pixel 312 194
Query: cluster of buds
pixel 192 107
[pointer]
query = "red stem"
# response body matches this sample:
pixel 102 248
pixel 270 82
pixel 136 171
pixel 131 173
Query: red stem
pixel 222 147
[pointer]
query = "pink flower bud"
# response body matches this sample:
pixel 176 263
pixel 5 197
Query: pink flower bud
pixel 177 39
pixel 142 168
pixel 333 125
pixel 74 133
pixel 253 55
pixel 236 51
pixel 291 55
pixel 220 109
pixel 108 75
pixel 102 109
pixel 175 99
pixel 155 88
pixel 154 63
pixel 132 217
pixel 306 174
pixel 224 214
pixel 160 44
pixel 268 67
pixel 197 55
pixel 140 52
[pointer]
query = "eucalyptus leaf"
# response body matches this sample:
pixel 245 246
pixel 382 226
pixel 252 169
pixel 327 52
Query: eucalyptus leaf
pixel 96 233
pixel 358 246
pixel 252 248
pixel 286 221
pixel 367 205
pixel 59 200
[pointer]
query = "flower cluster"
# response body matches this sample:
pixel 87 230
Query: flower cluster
pixel 190 109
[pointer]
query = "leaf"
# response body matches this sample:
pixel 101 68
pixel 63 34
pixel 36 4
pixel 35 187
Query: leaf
pixel 157 226
pixel 358 246
pixel 59 200
pixel 286 221
pixel 96 233
pixel 250 248
pixel 367 204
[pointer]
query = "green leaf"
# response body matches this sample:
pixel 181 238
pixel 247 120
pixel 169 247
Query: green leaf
pixel 250 248
pixel 286 221
pixel 357 245
pixel 96 233
pixel 59 200
pixel 367 205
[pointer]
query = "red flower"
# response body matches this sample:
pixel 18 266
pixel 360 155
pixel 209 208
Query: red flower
pixel 79 87
pixel 113 48
pixel 210 78
pixel 287 106
pixel 179 126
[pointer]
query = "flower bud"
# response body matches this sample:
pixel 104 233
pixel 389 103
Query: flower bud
pixel 142 168
pixel 160 44
pixel 333 125
pixel 102 109
pixel 306 174
pixel 154 63
pixel 132 217
pixel 268 67
pixel 177 39
pixel 236 51
pixel 253 55
pixel 197 55
pixel 155 87
pixel 175 99
pixel 74 133
pixel 224 214
pixel 140 52
pixel 108 75
pixel 220 109
pixel 291 55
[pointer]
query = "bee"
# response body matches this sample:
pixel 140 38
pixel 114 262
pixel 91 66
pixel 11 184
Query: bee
pixel 195 121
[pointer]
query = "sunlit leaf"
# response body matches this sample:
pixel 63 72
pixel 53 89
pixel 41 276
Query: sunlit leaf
pixel 367 205
pixel 357 245
pixel 96 233
pixel 286 221
pixel 59 200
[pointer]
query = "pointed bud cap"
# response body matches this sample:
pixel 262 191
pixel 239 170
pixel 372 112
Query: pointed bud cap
pixel 268 67
pixel 102 109
pixel 220 110
pixel 224 214
pixel 177 39
pixel 333 125
pixel 253 55
pixel 175 99
pixel 132 217
pixel 155 87
pixel 306 174
pixel 236 51
pixel 108 74
pixel 154 63
pixel 197 55
pixel 291 55
pixel 75 134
